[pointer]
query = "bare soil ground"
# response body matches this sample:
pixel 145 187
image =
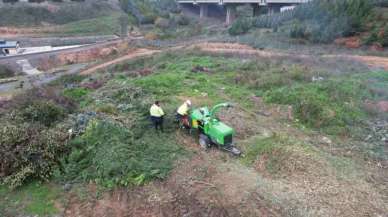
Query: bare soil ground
pixel 130 55
pixel 10 32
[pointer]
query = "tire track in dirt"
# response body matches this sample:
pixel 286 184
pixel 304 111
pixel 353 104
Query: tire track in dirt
pixel 131 55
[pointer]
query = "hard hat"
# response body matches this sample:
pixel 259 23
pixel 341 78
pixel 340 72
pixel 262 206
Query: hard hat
pixel 188 102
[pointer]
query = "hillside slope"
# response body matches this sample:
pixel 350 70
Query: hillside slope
pixel 313 138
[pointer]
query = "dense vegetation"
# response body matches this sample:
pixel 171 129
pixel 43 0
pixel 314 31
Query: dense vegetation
pixel 59 131
pixel 5 72
pixel 318 21
pixel 32 137
pixel 147 11
pixel 34 15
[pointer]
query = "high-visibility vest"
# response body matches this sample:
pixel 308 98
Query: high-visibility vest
pixel 183 109
pixel 156 111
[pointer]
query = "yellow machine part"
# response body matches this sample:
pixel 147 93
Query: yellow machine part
pixel 194 123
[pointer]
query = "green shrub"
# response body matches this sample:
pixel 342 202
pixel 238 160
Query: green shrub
pixel 260 147
pixel 5 72
pixel 182 20
pixel 162 23
pixel 76 94
pixel 29 151
pixel 327 105
pixel 36 198
pixel 43 112
pixel 372 37
pixel 240 26
pixel 320 21
pixel 107 109
pixel 27 15
pixel 109 154
pixel 266 76
pixel 123 96
pixel 68 79
pixel 169 6
pixel 384 36
pixel 148 19
pixel 379 35
pixel 297 30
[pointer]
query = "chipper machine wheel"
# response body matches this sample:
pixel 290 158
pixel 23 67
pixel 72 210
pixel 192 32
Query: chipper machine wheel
pixel 211 130
pixel 204 141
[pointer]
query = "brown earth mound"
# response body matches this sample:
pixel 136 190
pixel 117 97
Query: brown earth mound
pixel 350 42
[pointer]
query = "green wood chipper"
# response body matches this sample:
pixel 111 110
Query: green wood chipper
pixel 211 130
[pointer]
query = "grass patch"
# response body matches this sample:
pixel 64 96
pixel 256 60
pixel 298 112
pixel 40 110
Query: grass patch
pixel 77 94
pixel 32 199
pixel 68 79
pixel 333 105
pixel 175 75
pixel 29 15
pixel 376 83
pixel 278 155
pixel 104 25
pixel 261 146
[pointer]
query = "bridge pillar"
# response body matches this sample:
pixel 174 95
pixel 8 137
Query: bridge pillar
pixel 203 11
pixel 256 10
pixel 230 13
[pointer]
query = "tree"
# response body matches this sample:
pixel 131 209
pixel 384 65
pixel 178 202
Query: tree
pixel 124 25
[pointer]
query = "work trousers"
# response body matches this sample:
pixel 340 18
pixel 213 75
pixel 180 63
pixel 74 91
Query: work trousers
pixel 157 122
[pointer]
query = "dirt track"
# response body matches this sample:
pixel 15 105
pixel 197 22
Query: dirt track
pixel 131 55
pixel 238 49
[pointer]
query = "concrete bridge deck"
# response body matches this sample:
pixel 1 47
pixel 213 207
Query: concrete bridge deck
pixel 230 6
pixel 259 2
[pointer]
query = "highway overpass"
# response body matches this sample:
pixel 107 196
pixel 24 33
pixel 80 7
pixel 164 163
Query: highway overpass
pixel 259 2
pixel 230 6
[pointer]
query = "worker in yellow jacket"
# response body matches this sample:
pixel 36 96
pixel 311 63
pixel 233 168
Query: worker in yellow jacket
pixel 183 113
pixel 157 115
